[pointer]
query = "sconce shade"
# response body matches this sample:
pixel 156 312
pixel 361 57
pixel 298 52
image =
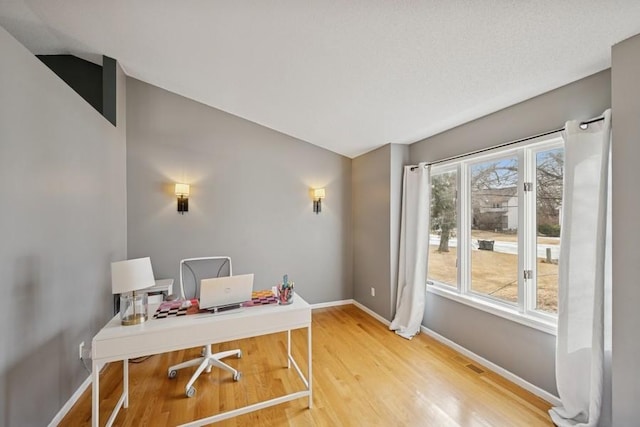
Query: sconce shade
pixel 131 275
pixel 318 193
pixel 182 190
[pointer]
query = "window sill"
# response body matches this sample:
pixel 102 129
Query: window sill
pixel 508 313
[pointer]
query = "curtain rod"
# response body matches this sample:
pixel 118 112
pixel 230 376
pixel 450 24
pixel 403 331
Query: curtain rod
pixel 506 144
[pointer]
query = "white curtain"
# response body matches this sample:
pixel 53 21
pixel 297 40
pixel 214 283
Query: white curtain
pixel 584 275
pixel 414 245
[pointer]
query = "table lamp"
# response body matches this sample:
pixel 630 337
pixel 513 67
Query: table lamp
pixel 126 278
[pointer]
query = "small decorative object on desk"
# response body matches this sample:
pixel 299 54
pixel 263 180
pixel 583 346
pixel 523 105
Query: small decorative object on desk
pixel 285 291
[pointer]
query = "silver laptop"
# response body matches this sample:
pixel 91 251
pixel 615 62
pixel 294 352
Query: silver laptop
pixel 225 292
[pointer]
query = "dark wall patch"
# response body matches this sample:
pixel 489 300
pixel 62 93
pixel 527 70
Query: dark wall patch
pixel 109 89
pixel 82 76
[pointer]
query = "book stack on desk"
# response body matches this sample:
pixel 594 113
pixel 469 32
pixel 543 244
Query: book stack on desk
pixel 261 298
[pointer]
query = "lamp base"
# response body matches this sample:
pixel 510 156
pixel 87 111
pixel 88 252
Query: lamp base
pixel 134 319
pixel 133 308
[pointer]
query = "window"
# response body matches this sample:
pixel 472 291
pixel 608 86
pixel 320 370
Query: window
pixel 444 226
pixel 549 167
pixel 494 270
pixel 494 233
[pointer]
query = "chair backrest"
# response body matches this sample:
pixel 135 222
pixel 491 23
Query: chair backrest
pixel 193 270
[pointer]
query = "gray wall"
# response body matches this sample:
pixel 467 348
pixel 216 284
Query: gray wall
pixel 524 351
pixel 626 231
pixel 399 158
pixel 250 196
pixel 377 181
pixel 371 238
pixel 587 97
pixel 62 166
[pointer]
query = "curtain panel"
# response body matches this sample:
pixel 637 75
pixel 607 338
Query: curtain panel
pixel 414 250
pixel 584 277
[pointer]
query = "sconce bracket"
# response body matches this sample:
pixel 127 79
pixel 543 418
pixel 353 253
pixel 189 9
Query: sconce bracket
pixel 183 204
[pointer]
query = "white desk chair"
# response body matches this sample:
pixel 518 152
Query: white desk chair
pixel 208 359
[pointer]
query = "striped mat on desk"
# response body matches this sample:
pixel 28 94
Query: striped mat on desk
pixel 175 308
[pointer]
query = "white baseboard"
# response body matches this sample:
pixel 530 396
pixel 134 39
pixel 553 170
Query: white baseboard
pixel 72 401
pixel 543 394
pixel 74 398
pixel 371 313
pixel 332 303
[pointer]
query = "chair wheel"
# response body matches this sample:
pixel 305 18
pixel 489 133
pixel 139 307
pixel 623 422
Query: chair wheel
pixel 191 392
pixel 237 376
pixel 172 373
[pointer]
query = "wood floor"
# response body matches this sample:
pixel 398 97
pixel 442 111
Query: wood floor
pixel 363 375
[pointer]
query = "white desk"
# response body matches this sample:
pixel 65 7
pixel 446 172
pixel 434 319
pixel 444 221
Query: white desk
pixel 115 342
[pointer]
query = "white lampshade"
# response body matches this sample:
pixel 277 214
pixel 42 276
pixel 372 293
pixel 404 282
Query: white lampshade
pixel 131 275
pixel 182 190
pixel 318 193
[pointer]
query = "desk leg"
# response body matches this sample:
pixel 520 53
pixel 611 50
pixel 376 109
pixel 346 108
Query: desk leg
pixel 289 349
pixel 95 399
pixel 125 381
pixel 310 374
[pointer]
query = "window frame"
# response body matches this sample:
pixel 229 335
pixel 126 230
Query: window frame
pixel 524 310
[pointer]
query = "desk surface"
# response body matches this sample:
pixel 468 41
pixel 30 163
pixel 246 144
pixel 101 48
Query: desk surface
pixel 118 342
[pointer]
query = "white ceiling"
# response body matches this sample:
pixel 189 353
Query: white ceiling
pixel 348 75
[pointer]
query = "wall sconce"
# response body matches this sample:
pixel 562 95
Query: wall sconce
pixel 318 195
pixel 182 191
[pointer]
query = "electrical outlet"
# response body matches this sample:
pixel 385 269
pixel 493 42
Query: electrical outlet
pixel 373 292
pixel 80 349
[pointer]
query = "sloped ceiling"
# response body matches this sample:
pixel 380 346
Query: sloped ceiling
pixel 347 75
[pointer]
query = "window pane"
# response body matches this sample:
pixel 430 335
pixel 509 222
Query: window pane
pixel 549 171
pixel 443 250
pixel 494 228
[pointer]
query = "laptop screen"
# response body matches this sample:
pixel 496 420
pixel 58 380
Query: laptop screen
pixel 224 291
